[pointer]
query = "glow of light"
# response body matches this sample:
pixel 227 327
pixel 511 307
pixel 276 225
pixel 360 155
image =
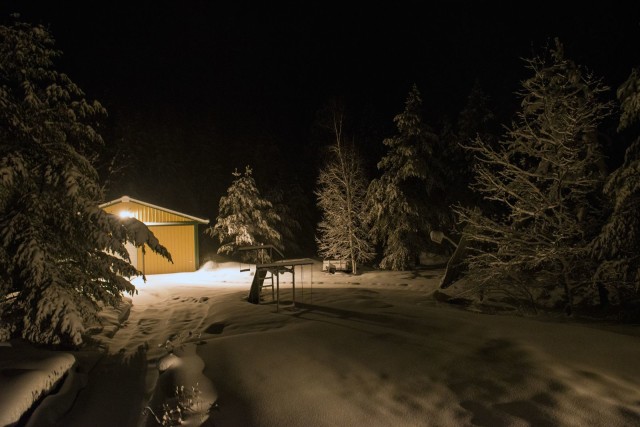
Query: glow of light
pixel 126 214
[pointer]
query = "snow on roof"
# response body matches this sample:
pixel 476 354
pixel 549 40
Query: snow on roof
pixel 127 199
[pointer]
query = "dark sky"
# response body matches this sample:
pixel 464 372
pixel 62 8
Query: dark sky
pixel 220 84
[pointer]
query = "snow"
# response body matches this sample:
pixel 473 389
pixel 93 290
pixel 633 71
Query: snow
pixel 375 349
pixel 26 374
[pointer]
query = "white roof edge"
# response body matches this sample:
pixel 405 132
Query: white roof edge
pixel 127 199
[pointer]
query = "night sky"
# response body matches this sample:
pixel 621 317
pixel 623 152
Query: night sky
pixel 195 89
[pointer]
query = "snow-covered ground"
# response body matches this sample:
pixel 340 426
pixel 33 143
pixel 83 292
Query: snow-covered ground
pixel 374 349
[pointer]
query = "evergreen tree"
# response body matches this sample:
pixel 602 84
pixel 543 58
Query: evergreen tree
pixel 475 120
pixel 245 218
pixel 617 247
pixel 629 96
pixel 61 255
pixel 397 209
pixel 341 193
pixel 545 177
pixel 287 224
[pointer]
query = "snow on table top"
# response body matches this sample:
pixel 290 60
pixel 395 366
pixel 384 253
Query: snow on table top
pixel 26 374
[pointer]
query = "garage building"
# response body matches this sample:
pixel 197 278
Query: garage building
pixel 176 231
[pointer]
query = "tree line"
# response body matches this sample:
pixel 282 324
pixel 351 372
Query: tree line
pixel 545 223
pixel 541 220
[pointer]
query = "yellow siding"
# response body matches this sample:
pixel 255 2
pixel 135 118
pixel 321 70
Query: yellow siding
pixel 180 241
pixel 145 214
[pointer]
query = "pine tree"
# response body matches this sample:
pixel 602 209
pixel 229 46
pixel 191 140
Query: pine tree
pixel 544 176
pixel 397 209
pixel 245 218
pixel 617 247
pixel 61 255
pixel 341 193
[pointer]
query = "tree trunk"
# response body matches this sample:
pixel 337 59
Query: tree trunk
pixel 567 288
pixel 454 265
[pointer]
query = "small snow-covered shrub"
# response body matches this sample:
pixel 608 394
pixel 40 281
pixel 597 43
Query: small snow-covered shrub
pixel 185 401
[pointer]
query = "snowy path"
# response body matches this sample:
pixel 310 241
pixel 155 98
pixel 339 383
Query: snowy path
pixel 127 378
pixel 376 352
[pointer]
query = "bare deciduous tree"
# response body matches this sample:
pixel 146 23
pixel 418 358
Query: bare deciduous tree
pixel 545 177
pixel 341 193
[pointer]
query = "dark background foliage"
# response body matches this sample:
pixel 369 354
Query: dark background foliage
pixel 196 89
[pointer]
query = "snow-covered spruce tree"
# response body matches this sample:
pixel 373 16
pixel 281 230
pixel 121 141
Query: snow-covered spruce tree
pixel 617 247
pixel 341 193
pixel 398 209
pixel 245 218
pixel 545 176
pixel 61 255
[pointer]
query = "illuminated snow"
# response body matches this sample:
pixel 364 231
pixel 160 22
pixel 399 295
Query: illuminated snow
pixel 126 214
pixel 26 375
pixel 375 349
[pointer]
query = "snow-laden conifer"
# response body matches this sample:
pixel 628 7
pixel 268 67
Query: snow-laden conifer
pixel 244 217
pixel 398 211
pixel 61 256
pixel 617 247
